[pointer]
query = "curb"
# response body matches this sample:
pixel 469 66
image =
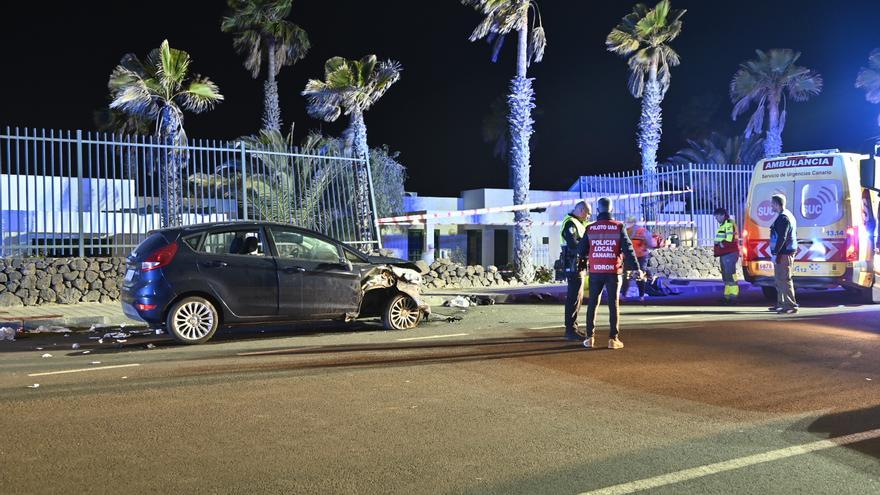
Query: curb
pixel 72 322
pixel 556 292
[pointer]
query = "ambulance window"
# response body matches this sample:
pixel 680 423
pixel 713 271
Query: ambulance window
pixel 759 208
pixel 818 202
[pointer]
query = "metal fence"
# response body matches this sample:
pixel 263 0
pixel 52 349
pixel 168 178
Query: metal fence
pixel 65 193
pixel 686 215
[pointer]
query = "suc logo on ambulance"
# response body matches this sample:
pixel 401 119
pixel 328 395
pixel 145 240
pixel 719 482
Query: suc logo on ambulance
pixel 765 211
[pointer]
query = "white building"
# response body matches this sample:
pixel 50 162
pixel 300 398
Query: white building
pixel 482 239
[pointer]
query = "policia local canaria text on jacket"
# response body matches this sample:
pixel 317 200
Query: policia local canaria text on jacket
pixel 573 227
pixel 603 249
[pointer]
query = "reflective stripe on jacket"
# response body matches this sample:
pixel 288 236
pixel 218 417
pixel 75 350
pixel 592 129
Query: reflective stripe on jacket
pixel 726 238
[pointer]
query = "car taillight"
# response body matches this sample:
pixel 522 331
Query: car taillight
pixel 745 246
pixel 145 307
pixel 852 244
pixel 160 257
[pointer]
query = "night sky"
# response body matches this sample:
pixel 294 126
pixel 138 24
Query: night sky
pixel 56 62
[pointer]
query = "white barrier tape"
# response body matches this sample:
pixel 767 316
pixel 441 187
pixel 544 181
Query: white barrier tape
pixel 503 209
pixel 553 223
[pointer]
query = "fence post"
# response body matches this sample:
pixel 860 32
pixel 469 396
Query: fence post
pixel 79 188
pixel 373 212
pixel 692 201
pixel 244 201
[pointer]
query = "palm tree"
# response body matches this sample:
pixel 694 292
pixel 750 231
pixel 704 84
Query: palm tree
pixel 261 32
pixel 869 79
pixel 351 87
pixel 765 83
pixel 160 88
pixel 283 184
pixel 501 18
pixel 644 36
pixel 721 150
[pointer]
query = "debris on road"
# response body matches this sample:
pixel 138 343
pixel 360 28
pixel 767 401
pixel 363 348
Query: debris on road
pixel 458 302
pixel 75 346
pixel 117 335
pixel 47 355
pixel 45 329
pixel 151 346
pixel 95 362
pixel 7 333
pixel 36 385
pixel 87 352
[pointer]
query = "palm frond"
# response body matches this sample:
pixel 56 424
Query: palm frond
pixel 201 95
pixel 537 44
pixel 130 94
pixel 868 78
pixel 173 68
pixel 249 44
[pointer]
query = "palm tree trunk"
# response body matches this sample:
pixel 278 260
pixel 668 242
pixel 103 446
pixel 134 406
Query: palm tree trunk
pixel 773 141
pixel 650 129
pixel 172 135
pixel 521 101
pixel 271 107
pixel 358 134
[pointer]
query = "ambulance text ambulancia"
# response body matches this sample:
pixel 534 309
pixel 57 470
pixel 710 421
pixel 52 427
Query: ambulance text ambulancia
pixel 836 222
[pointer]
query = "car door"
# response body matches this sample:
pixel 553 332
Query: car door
pixel 289 272
pixel 235 264
pixel 330 287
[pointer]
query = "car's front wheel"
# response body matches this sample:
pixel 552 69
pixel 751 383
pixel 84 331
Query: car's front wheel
pixel 192 320
pixel 401 313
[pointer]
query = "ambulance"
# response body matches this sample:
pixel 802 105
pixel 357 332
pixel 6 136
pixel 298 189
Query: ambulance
pixel 834 199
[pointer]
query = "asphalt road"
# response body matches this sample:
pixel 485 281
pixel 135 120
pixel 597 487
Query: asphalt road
pixel 704 399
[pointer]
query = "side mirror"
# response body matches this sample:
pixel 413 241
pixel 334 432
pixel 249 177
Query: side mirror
pixel 869 172
pixel 343 261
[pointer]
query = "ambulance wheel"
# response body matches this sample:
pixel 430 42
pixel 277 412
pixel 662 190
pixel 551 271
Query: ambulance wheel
pixel 769 293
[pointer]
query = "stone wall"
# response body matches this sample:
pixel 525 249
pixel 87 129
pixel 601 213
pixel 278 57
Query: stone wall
pixel 687 263
pixel 34 281
pixel 446 274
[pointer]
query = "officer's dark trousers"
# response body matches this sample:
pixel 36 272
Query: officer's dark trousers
pixel 611 283
pixel 573 299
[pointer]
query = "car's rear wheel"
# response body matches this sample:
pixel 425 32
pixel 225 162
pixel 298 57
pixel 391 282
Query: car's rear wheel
pixel 769 293
pixel 192 320
pixel 401 313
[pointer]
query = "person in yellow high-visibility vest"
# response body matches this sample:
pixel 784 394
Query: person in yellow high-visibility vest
pixel 573 226
pixel 726 249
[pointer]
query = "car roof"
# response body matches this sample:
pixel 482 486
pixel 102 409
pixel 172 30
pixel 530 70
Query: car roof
pixel 203 227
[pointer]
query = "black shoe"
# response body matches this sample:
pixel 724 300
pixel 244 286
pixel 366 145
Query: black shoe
pixel 572 336
pixel 775 309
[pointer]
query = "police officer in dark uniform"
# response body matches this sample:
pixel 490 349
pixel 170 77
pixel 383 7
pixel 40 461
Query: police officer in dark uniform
pixel 573 227
pixel 602 250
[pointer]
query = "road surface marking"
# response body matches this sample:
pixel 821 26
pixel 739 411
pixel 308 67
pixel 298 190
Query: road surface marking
pixel 433 337
pixel 93 368
pixel 547 328
pixel 667 317
pixel 720 467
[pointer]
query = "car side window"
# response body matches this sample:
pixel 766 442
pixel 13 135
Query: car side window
pixel 294 245
pixel 352 257
pixel 238 242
